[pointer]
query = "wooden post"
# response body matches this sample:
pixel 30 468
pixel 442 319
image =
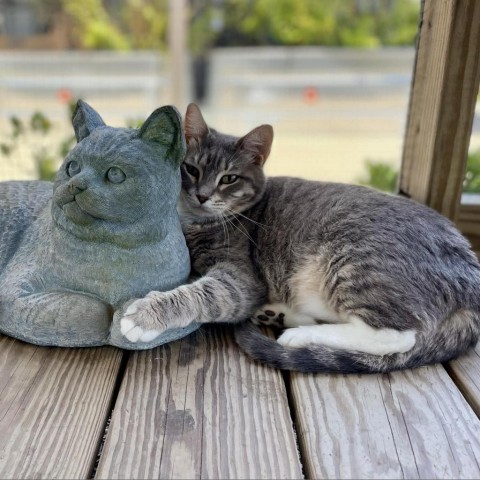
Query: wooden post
pixel 177 50
pixel 442 103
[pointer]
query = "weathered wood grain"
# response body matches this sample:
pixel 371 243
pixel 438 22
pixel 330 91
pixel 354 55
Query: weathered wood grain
pixel 465 372
pixel 53 407
pixel 198 408
pixel 442 103
pixel 412 424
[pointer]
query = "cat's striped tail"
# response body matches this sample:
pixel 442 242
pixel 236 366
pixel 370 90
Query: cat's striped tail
pixel 444 344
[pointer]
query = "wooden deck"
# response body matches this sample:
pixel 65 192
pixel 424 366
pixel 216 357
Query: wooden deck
pixel 199 408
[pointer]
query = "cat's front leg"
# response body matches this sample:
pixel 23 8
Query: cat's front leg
pixel 220 296
pixel 146 318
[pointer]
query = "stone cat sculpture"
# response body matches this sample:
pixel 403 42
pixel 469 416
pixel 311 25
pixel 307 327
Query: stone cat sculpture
pixel 71 261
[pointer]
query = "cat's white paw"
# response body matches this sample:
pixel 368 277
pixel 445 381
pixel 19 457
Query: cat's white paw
pixel 294 337
pixel 130 330
pixel 134 325
pixel 135 333
pixel 133 308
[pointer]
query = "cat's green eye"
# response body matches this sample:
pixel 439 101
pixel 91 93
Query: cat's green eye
pixel 73 168
pixel 228 179
pixel 193 171
pixel 115 175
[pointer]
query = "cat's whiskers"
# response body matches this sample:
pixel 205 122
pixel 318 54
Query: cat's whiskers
pixel 234 213
pixel 226 234
pixel 242 230
pixel 233 216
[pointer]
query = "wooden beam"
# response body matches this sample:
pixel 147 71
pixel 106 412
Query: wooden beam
pixel 177 50
pixel 468 219
pixel 442 103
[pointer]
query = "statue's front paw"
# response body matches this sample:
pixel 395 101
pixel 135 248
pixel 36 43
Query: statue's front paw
pixel 141 321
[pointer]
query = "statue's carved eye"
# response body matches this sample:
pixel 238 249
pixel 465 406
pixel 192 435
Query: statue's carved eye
pixel 193 171
pixel 115 175
pixel 73 168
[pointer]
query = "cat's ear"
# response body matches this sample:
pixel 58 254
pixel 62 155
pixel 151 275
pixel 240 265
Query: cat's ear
pixel 164 126
pixel 195 126
pixel 85 120
pixel 258 143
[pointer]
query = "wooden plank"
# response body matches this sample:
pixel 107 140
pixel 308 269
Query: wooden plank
pixel 198 408
pixel 465 372
pixel 442 104
pixel 468 219
pixel 54 404
pixel 411 424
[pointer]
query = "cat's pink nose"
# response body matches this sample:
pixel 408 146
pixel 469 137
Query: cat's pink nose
pixel 202 198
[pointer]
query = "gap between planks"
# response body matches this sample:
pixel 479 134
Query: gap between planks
pixel 465 373
pixel 53 404
pixel 410 424
pixel 406 424
pixel 199 408
pixel 115 391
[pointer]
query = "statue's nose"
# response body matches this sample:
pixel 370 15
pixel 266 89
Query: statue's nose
pixel 77 184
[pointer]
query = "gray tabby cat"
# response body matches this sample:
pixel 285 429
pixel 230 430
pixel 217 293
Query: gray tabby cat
pixel 362 281
pixel 70 262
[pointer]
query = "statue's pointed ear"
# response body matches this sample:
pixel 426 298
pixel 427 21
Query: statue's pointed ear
pixel 258 143
pixel 195 126
pixel 164 126
pixel 85 120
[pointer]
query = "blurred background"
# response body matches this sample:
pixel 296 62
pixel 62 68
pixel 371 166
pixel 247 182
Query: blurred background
pixel 331 76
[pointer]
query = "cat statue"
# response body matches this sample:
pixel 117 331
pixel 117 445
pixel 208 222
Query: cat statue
pixel 74 253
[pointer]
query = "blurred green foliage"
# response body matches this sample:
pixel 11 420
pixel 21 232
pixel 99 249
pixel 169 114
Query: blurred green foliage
pixel 353 23
pixel 471 183
pixel 380 175
pixel 94 25
pixel 145 23
pixel 132 24
pixel 107 25
pixel 383 176
pixel 34 134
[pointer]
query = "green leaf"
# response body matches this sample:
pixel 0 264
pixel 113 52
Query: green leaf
pixel 66 146
pixel 380 175
pixel 6 149
pixel 471 183
pixel 40 123
pixel 134 122
pixel 46 166
pixel 17 126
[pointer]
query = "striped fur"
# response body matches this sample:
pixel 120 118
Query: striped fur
pixel 367 282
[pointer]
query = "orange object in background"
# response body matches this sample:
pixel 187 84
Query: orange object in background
pixel 311 95
pixel 64 95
